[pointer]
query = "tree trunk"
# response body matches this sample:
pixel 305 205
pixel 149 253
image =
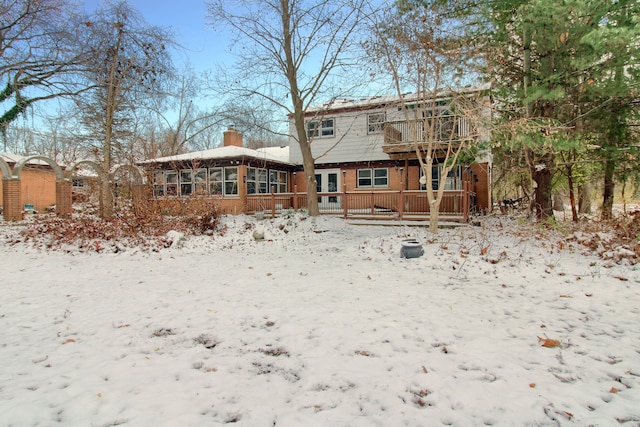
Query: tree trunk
pixel 558 201
pixel 107 200
pixel 433 219
pixel 312 187
pixel 584 198
pixel 572 194
pixel 542 174
pixel 609 189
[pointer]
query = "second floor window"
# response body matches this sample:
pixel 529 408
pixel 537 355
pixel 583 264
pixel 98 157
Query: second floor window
pixel 375 123
pixel 320 128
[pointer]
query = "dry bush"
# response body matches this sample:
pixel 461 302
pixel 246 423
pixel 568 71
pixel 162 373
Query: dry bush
pixel 143 225
pixel 193 216
pixel 617 239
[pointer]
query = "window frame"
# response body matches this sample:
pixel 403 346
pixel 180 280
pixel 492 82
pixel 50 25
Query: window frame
pixel 376 126
pixel 374 180
pixel 171 183
pixel 216 179
pixel 454 178
pixel 317 128
pixel 186 182
pixel 278 181
pixel 257 180
pixel 200 181
pixel 230 182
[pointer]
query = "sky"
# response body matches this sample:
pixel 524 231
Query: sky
pixel 203 47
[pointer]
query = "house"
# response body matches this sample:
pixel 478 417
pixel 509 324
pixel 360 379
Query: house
pixel 366 163
pixel 368 145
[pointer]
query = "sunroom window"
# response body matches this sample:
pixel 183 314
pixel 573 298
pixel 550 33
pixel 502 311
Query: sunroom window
pixel 256 181
pixel 278 181
pixel 186 179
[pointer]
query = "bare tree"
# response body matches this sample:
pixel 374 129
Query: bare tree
pixel 442 122
pixel 39 52
pixel 290 53
pixel 129 65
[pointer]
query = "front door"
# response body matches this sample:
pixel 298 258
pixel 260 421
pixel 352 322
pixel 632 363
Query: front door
pixel 328 181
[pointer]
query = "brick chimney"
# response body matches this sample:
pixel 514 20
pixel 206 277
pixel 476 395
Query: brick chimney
pixel 232 138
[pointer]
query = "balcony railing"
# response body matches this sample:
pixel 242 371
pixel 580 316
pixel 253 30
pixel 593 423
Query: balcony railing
pixel 411 204
pixel 401 136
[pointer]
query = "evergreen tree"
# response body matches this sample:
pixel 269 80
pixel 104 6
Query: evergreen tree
pixel 560 71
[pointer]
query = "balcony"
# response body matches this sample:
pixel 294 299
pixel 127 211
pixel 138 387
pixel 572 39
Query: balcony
pixel 401 137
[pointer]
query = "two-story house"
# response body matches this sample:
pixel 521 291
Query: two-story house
pixel 372 145
pixel 366 159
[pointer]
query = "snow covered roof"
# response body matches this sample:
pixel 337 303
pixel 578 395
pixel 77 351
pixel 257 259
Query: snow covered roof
pixel 372 101
pixel 272 154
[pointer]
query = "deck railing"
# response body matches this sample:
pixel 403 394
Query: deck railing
pixel 443 130
pixel 409 204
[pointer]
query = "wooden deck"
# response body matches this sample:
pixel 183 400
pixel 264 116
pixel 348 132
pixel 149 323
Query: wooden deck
pixel 456 206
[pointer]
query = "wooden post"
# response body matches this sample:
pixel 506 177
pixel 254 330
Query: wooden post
pixel 465 200
pixel 295 193
pixel 373 204
pixel 273 203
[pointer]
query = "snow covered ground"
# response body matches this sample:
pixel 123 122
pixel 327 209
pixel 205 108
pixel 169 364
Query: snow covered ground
pixel 323 324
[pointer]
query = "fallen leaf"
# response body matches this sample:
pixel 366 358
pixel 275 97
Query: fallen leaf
pixel 623 279
pixel 549 343
pixel 565 296
pixel 569 415
pixel 532 385
pixel 424 370
pixel 484 251
pixel 613 390
pixel 68 341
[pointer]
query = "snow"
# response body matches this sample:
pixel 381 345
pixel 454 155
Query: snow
pixel 321 323
pixel 275 154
